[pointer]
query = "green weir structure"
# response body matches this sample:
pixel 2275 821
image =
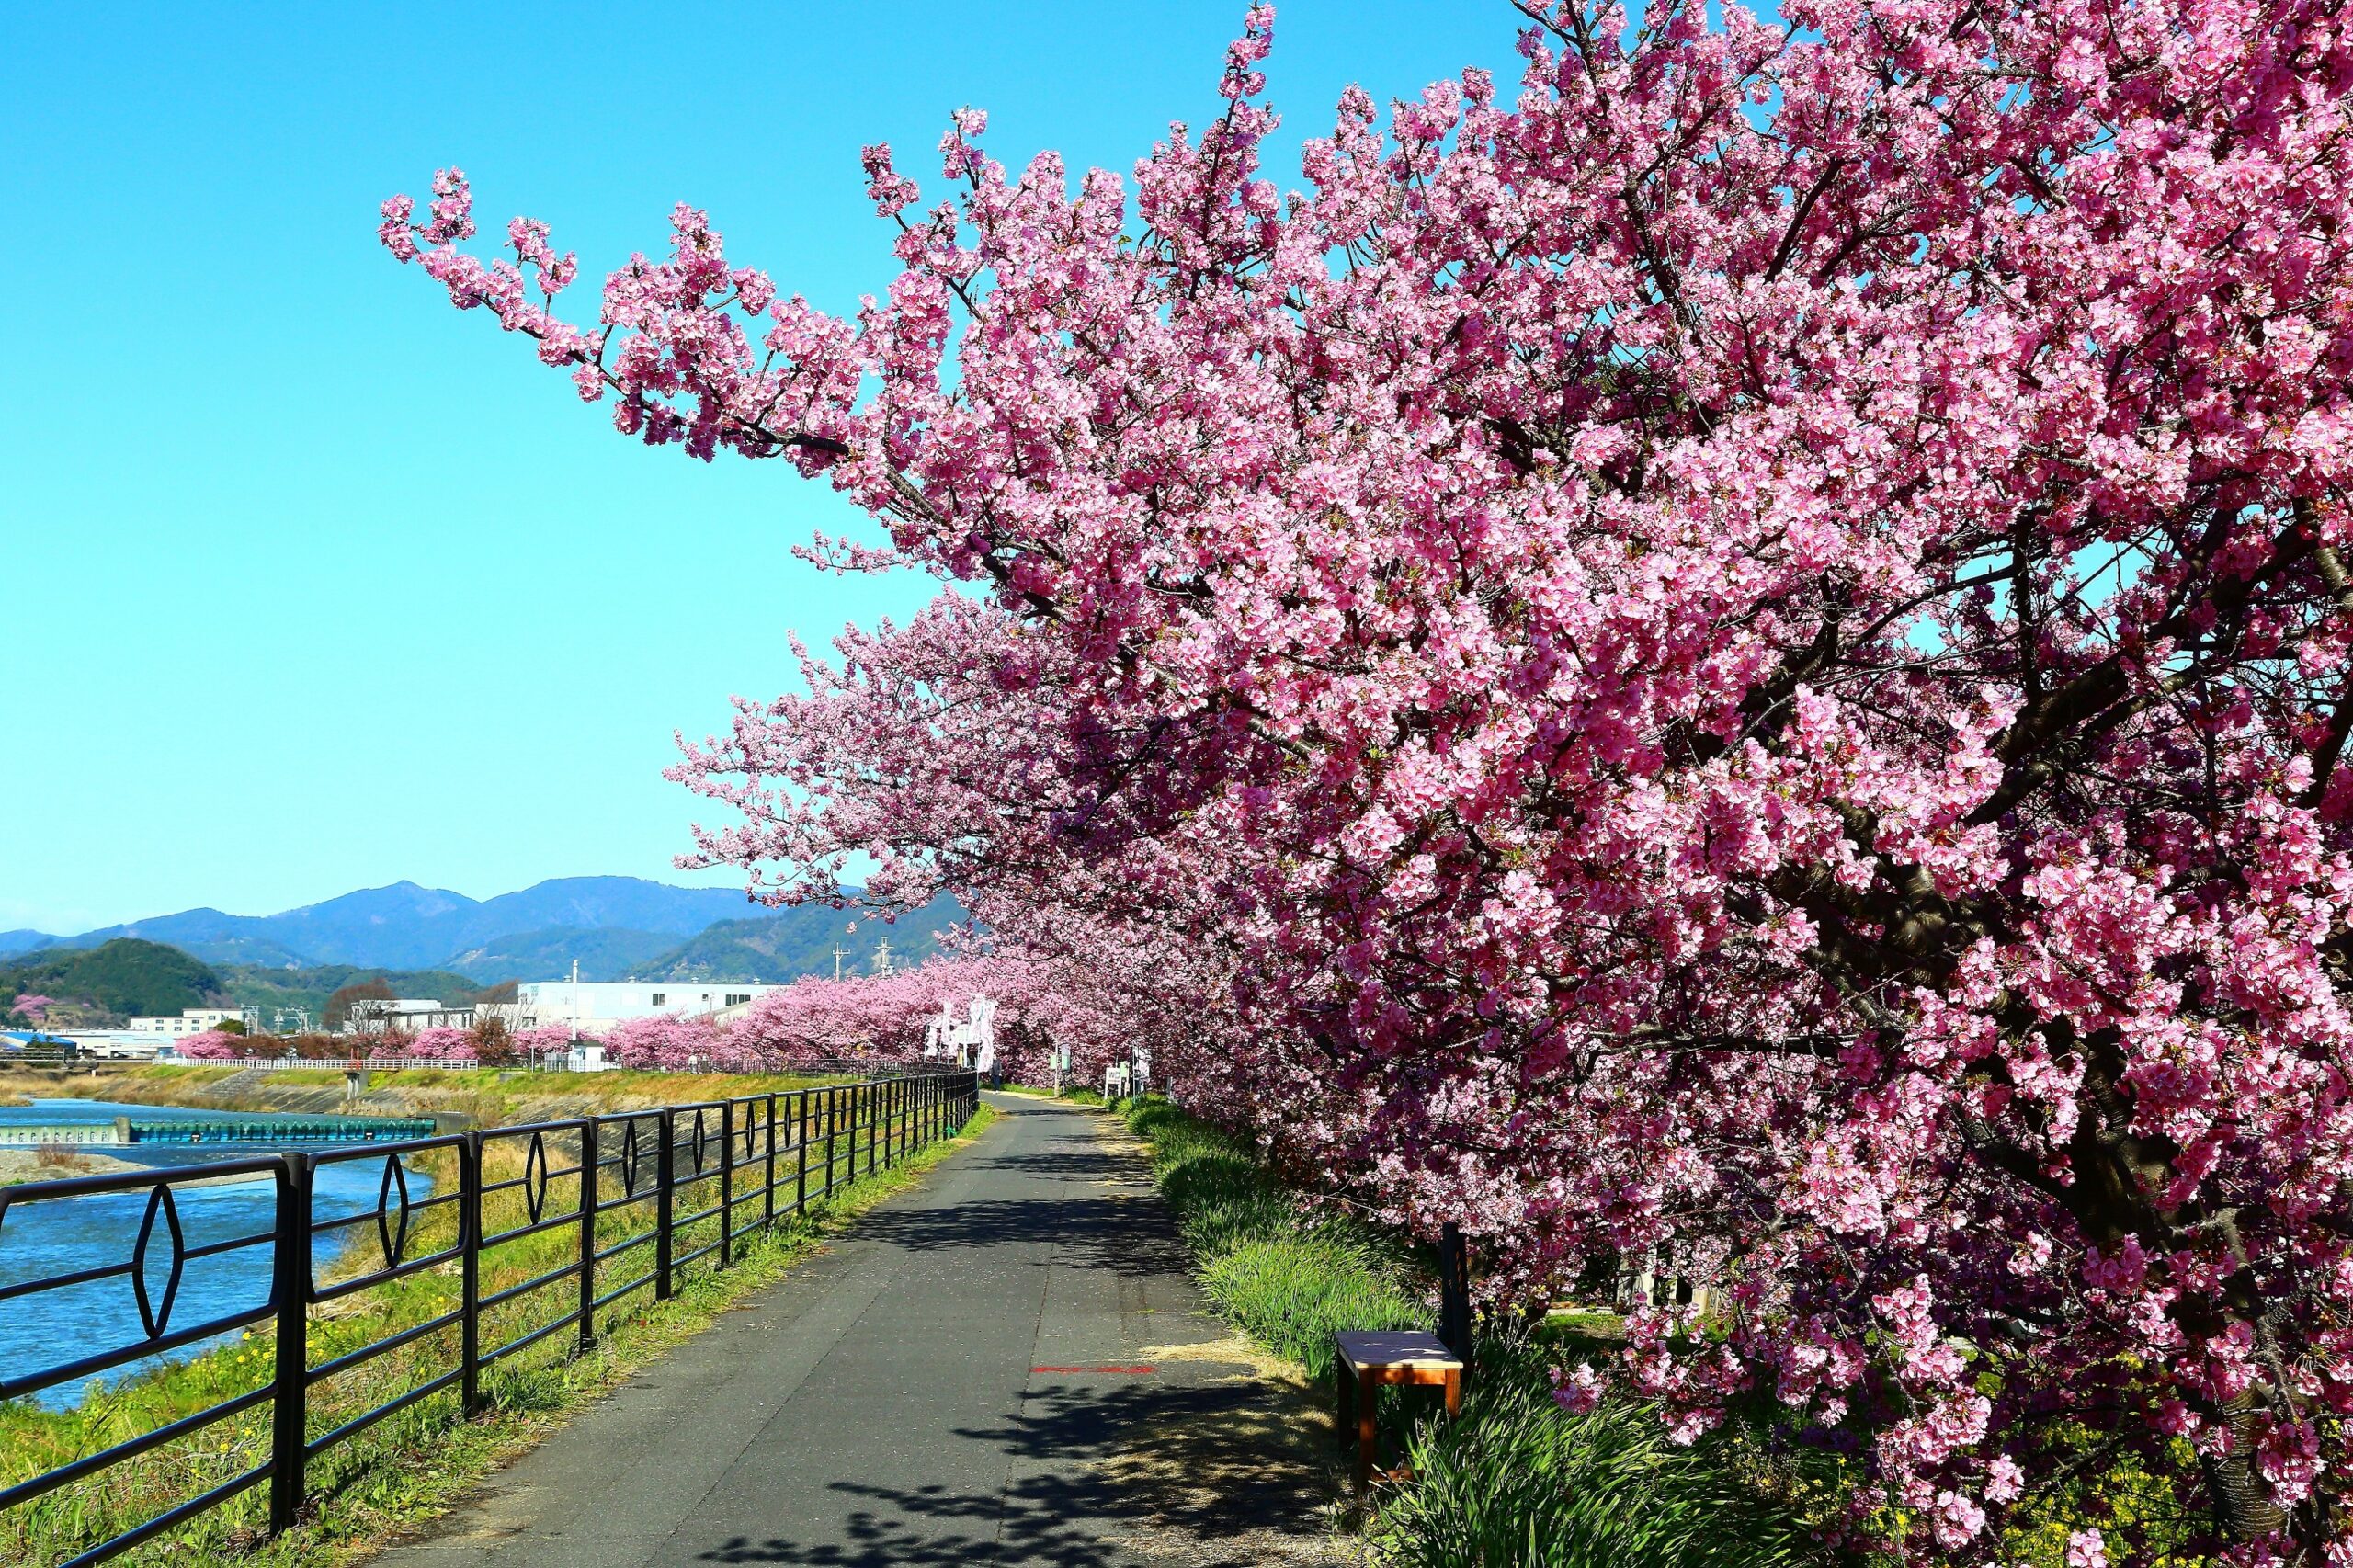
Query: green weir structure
pixel 125 1129
pixel 276 1129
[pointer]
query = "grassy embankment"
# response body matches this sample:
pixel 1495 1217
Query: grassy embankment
pixel 413 1464
pixel 1516 1481
pixel 486 1096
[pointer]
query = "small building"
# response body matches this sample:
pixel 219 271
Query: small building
pixel 195 1020
pixel 37 1043
pixel 123 1045
pixel 595 1005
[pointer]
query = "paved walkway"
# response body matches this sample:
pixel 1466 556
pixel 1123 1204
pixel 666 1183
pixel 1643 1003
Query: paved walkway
pixel 934 1388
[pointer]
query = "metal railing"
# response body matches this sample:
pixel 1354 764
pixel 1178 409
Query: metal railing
pixel 516 1213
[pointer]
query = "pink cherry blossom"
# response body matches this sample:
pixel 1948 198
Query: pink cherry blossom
pixel 1736 653
pixel 211 1045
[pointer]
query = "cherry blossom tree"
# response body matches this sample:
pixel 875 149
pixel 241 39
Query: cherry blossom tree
pixel 212 1045
pixel 679 1042
pixel 816 1021
pixel 1743 649
pixel 428 1045
pixel 32 1006
pixel 544 1039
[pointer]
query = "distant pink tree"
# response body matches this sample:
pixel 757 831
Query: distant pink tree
pixel 675 1042
pixel 391 1042
pixel 886 1017
pixel 32 1007
pixel 436 1045
pixel 542 1038
pixel 212 1046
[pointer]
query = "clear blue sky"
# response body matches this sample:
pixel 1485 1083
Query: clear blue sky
pixel 315 584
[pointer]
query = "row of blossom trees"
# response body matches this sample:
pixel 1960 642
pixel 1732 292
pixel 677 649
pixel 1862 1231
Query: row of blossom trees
pixel 1743 645
pixel 808 1023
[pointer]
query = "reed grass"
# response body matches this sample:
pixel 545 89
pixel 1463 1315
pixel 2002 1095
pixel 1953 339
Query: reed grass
pixel 1516 1481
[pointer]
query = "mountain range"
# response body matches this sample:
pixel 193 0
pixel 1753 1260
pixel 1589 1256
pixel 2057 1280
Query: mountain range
pixel 614 925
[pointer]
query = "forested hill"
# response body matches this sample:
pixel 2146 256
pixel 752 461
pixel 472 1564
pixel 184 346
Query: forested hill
pixel 793 942
pixel 110 981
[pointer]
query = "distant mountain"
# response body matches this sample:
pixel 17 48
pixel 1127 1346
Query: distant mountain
pixel 433 942
pixel 794 942
pixel 407 927
pixel 23 942
pixel 206 933
pixel 610 954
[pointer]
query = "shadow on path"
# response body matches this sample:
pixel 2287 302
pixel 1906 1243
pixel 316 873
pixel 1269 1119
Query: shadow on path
pixel 1208 1492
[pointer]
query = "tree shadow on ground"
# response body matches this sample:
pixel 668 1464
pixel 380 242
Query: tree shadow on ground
pixel 1213 1472
pixel 1096 1232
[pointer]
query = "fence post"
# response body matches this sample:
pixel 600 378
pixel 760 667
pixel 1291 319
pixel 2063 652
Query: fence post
pixel 664 1157
pixel 726 1181
pixel 832 1112
pixel 873 1119
pixel 469 1273
pixel 768 1202
pixel 588 1234
pixel 291 1390
pixel 801 1153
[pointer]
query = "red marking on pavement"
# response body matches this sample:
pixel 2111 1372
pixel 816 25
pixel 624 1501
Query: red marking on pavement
pixel 1132 1371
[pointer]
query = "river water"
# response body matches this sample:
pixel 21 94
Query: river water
pixel 44 1239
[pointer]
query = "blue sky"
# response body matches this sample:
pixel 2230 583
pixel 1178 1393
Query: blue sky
pixel 315 583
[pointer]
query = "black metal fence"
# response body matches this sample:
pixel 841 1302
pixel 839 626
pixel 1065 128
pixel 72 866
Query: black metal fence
pixel 545 1230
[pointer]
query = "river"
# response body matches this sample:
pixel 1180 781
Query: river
pixel 42 1239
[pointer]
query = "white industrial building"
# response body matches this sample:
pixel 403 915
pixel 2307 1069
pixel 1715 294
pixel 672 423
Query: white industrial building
pixel 409 1014
pixel 595 1005
pixel 196 1020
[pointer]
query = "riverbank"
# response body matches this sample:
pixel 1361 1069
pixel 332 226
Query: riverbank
pixel 471 1097
pixel 20 1165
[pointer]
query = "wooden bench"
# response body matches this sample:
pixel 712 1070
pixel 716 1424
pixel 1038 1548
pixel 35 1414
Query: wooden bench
pixel 1367 1361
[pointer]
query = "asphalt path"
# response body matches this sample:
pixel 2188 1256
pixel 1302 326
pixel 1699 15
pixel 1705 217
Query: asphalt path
pixel 943 1385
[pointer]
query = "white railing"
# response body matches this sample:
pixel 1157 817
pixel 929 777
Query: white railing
pixel 333 1063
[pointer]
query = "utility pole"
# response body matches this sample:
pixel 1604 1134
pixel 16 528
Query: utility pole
pixel 837 962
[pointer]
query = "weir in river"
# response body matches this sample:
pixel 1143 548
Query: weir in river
pixel 123 1131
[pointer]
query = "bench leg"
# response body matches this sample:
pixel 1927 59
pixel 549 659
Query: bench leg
pixel 1453 1391
pixel 1341 1376
pixel 1367 1430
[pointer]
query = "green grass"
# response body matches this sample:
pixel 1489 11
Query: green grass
pixel 411 1466
pixel 1516 1481
pixel 1288 1274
